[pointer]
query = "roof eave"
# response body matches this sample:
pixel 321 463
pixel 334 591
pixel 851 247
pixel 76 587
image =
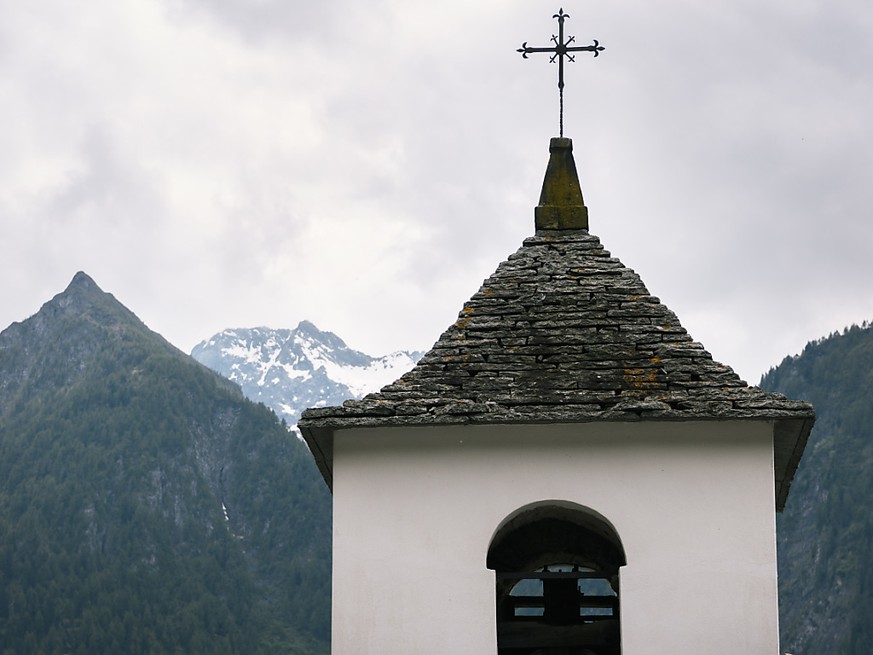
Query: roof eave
pixel 320 443
pixel 789 440
pixel 790 435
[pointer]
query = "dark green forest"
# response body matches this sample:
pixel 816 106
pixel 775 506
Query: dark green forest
pixel 825 534
pixel 145 505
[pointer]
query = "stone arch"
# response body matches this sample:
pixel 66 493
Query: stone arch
pixel 556 567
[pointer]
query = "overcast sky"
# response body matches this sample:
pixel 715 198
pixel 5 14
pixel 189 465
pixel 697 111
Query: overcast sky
pixel 365 165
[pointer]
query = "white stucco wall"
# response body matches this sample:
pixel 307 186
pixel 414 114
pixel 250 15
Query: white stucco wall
pixel 415 511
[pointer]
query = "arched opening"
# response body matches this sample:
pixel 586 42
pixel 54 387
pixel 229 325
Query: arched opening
pixel 557 566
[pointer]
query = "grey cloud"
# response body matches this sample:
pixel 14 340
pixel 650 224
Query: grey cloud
pixel 268 19
pixel 722 148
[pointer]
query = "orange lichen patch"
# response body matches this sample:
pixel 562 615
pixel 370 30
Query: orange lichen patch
pixel 641 378
pixel 655 360
pixel 488 292
pixel 463 321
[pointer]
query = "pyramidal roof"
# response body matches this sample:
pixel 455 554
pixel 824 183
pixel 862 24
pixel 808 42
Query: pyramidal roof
pixel 563 332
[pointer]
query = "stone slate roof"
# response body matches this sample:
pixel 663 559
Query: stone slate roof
pixel 563 332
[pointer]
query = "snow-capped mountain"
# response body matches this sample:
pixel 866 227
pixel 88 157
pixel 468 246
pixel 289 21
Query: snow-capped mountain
pixel 290 370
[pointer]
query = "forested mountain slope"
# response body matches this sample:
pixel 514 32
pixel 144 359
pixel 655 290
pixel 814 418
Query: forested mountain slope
pixel 826 532
pixel 145 505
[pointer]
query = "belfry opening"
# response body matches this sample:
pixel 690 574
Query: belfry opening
pixel 556 570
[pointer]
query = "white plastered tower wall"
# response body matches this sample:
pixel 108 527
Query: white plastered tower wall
pixel 415 510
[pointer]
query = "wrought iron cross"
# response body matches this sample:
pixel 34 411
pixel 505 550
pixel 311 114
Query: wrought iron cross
pixel 560 50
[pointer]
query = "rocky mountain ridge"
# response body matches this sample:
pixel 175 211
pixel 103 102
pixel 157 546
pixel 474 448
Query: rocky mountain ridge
pixel 290 370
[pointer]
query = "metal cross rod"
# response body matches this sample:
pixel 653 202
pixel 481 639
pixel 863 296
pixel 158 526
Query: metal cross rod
pixel 560 50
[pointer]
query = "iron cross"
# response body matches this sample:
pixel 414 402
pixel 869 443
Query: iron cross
pixel 560 50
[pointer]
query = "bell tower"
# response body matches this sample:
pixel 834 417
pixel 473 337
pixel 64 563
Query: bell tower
pixel 565 472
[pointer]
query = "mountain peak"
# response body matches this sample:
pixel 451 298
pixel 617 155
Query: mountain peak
pixel 67 336
pixel 289 370
pixel 82 280
pixel 84 300
pixel 307 329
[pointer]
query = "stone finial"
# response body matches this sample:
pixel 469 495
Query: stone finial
pixel 561 206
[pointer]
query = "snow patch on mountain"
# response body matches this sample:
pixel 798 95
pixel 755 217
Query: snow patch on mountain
pixel 290 370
